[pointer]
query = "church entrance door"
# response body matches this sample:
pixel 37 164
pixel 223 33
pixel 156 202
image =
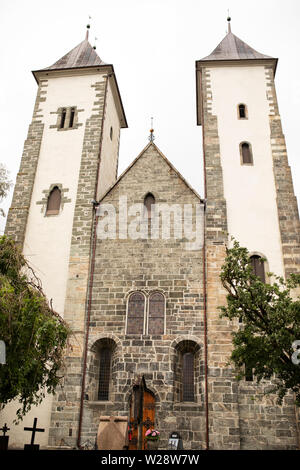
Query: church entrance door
pixel 142 415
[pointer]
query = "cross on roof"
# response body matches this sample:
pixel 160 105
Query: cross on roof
pixel 5 429
pixel 34 429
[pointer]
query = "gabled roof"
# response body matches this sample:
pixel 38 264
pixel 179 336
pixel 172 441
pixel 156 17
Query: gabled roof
pixel 83 55
pixel 233 48
pixel 166 160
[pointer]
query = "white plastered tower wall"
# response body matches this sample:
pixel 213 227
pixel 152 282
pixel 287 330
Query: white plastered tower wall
pixel 255 201
pixel 47 240
pixel 249 190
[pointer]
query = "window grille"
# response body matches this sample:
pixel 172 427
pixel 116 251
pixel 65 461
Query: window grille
pixel 104 374
pixel 188 393
pixel 156 319
pixel 136 312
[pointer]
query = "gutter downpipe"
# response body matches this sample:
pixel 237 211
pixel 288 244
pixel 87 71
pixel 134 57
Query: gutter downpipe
pixel 204 273
pixel 91 273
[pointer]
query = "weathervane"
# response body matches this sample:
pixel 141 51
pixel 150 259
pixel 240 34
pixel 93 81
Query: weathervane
pixel 229 19
pixel 151 136
pixel 87 29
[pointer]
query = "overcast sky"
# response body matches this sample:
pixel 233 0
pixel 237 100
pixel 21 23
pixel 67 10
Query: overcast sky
pixel 153 45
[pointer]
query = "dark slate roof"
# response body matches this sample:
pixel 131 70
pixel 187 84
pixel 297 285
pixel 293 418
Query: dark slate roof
pixel 233 48
pixel 83 55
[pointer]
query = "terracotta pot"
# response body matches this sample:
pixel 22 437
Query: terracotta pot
pixel 152 445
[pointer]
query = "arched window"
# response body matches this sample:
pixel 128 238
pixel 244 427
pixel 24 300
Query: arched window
pixel 54 201
pixel 246 154
pixel 258 267
pixel 188 374
pixel 156 317
pixel 242 111
pixel 148 202
pixel 136 314
pixel 105 354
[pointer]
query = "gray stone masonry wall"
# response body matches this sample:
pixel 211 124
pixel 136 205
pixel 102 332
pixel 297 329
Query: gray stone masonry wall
pixel 288 214
pixel 123 266
pixel 65 410
pixel 240 415
pixel 18 212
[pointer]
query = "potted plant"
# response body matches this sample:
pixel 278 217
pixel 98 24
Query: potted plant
pixel 152 439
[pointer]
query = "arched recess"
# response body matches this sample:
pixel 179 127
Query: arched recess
pixel 102 370
pixel 188 368
pixel 54 201
pixel 149 201
pixel 246 153
pixel 242 111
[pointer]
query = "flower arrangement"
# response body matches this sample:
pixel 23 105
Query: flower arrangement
pixel 152 435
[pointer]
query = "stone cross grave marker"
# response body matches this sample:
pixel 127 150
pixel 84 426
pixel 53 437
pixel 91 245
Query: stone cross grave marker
pixel 4 438
pixel 34 429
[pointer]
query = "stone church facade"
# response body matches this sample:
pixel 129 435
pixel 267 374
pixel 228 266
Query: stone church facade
pixel 148 343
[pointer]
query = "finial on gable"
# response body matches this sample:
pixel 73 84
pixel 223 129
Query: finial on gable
pixel 151 136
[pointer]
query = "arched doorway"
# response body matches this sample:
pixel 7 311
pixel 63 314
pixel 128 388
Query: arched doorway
pixel 142 414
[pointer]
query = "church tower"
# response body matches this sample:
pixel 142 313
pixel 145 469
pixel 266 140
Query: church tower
pixel 70 159
pixel 249 195
pixel 248 181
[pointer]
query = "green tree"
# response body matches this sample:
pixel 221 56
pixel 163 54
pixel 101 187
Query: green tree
pixel 35 336
pixel 269 322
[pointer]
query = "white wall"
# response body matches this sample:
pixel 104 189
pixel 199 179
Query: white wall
pixel 47 240
pixel 110 147
pixel 17 436
pixel 249 190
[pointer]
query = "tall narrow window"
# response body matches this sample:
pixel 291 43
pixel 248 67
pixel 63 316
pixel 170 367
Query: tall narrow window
pixel 63 118
pixel 246 153
pixel 258 267
pixel 54 200
pixel 136 314
pixel 242 111
pixel 72 116
pixel 104 374
pixel 148 202
pixel 188 392
pixel 156 318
